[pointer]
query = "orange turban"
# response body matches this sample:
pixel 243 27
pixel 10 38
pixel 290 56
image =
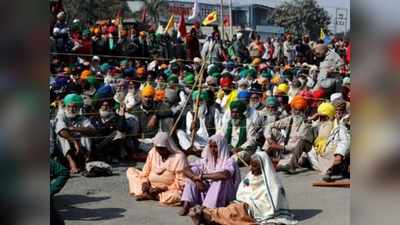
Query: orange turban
pixel 298 102
pixel 148 91
pixel 85 74
pixel 140 71
pixel 160 95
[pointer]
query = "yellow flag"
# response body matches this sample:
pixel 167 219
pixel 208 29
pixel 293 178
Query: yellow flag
pixel 210 18
pixel 170 23
pixel 322 34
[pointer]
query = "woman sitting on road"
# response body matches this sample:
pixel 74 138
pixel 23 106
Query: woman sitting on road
pixel 260 199
pixel 213 180
pixel 162 176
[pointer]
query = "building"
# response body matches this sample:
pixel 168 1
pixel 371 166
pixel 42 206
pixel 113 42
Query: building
pixel 249 16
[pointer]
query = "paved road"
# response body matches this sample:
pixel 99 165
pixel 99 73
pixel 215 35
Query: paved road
pixel 105 201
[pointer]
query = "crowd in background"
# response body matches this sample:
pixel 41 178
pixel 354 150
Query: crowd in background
pixel 123 93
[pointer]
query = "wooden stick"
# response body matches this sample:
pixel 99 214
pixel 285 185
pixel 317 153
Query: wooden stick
pixel 196 113
pixel 182 110
pixel 339 184
pixel 242 160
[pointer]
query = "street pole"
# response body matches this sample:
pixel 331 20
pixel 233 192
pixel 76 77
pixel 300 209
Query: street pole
pixel 230 19
pixel 222 20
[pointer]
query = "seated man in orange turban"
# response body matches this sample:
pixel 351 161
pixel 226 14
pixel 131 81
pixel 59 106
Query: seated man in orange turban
pixel 150 116
pixel 296 137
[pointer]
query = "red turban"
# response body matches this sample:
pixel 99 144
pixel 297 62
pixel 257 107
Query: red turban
pixel 320 93
pixel 226 82
pixel 298 102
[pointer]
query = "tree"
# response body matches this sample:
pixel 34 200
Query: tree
pixel 302 17
pixel 156 8
pixel 94 10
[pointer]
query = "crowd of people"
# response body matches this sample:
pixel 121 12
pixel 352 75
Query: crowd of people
pixel 196 110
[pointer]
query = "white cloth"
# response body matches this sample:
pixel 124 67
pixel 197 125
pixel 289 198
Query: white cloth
pixel 202 135
pixel 62 122
pixel 265 194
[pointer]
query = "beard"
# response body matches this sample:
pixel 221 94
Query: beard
pixel 254 104
pixel 104 114
pixel 119 96
pixel 202 110
pixel 70 115
pixel 236 122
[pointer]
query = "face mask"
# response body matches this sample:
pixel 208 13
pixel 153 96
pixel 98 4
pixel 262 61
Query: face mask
pixel 69 114
pixel 105 114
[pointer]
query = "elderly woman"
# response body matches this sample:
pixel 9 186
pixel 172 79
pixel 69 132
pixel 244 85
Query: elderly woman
pixel 261 199
pixel 213 180
pixel 162 175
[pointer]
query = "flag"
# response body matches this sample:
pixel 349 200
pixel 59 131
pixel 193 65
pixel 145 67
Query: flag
pixel 195 11
pixel 182 26
pixel 322 34
pixel 144 14
pixel 210 18
pixel 226 21
pixel 170 24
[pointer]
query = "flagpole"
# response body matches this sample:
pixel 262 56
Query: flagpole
pixel 222 20
pixel 230 19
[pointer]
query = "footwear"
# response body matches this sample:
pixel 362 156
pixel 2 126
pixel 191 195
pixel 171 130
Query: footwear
pixel 287 168
pixel 185 209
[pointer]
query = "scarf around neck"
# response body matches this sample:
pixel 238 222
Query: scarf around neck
pixel 242 132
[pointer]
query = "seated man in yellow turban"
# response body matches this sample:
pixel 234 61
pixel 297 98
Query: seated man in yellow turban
pixel 150 116
pixel 287 137
pixel 331 150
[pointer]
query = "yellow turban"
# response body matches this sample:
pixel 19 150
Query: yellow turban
pixel 276 79
pixel 327 109
pixel 298 102
pixel 283 88
pixel 148 91
pixel 256 61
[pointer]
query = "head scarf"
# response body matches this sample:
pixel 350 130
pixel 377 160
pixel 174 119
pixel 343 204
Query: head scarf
pixel 256 61
pixel 243 82
pixel 223 154
pixel 319 93
pixel 327 109
pixel 272 101
pixel 140 72
pixel 85 74
pixel 271 205
pixel 173 79
pixel 148 91
pixel 298 102
pixel 73 99
pixel 189 79
pixel 162 139
pixel 216 75
pixel 203 95
pixel 226 82
pixel 282 88
pixel 239 105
